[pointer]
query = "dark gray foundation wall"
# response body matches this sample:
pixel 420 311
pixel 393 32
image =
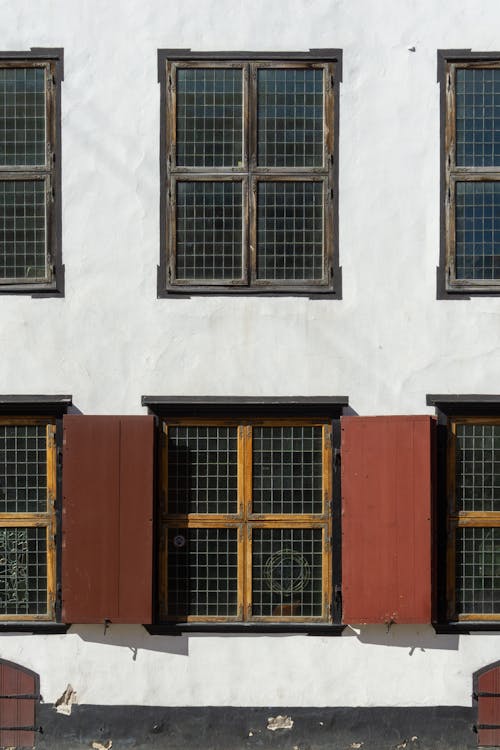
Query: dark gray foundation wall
pixel 210 728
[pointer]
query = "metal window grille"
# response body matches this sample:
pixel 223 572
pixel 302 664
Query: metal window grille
pixel 202 572
pixel 287 572
pixel 209 227
pixel 202 469
pixel 478 570
pixel 287 470
pixel 290 231
pixel 209 116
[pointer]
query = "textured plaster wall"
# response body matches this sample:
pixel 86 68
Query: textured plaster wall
pixel 386 344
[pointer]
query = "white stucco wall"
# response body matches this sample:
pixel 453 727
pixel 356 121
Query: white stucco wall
pixel 386 344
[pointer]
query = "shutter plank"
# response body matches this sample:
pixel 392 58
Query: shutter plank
pixel 488 712
pixel 15 680
pixel 107 519
pixel 136 519
pixel 386 519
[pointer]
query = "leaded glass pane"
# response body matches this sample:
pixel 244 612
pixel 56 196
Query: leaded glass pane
pixel 202 572
pixel 478 230
pixel 290 117
pixel 287 572
pixel 287 470
pixel 478 117
pixel 478 570
pixel 478 467
pixel 290 231
pixel 202 469
pixel 22 229
pixel 23 570
pixel 23 469
pixel 209 228
pixel 209 110
pixel 22 117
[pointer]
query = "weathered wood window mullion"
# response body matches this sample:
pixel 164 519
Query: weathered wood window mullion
pixel 285 225
pixel 472 176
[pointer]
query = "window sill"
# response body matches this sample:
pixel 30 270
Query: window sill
pixel 29 628
pixel 181 628
pixel 51 289
pixel 173 292
pixel 466 628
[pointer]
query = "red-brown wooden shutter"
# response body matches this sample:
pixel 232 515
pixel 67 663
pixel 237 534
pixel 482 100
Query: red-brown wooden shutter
pixel 18 694
pixel 488 709
pixel 387 470
pixel 107 519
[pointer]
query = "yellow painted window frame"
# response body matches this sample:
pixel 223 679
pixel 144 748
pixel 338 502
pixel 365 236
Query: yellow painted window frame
pixel 45 520
pixel 244 520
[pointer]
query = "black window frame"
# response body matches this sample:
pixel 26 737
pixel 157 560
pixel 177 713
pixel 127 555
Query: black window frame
pixel 52 59
pixel 448 286
pixel 53 408
pixel 450 409
pixel 331 286
pixel 252 408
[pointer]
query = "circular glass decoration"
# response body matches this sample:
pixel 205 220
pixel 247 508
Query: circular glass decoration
pixel 286 571
pixel 179 541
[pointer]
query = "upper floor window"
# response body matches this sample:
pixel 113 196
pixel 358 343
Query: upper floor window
pixel 249 164
pixel 29 171
pixel 471 94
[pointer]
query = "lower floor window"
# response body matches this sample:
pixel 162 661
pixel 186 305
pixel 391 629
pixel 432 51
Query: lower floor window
pixel 27 518
pixel 246 520
pixel 474 518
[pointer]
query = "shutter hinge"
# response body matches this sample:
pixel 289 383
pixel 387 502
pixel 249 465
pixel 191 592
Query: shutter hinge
pixel 336 606
pixel 22 729
pixel 336 459
pixel 23 696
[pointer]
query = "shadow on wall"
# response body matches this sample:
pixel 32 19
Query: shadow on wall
pixel 133 637
pixel 413 637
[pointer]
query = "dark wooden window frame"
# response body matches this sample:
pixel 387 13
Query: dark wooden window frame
pixel 448 63
pixel 451 410
pixel 51 60
pixel 250 174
